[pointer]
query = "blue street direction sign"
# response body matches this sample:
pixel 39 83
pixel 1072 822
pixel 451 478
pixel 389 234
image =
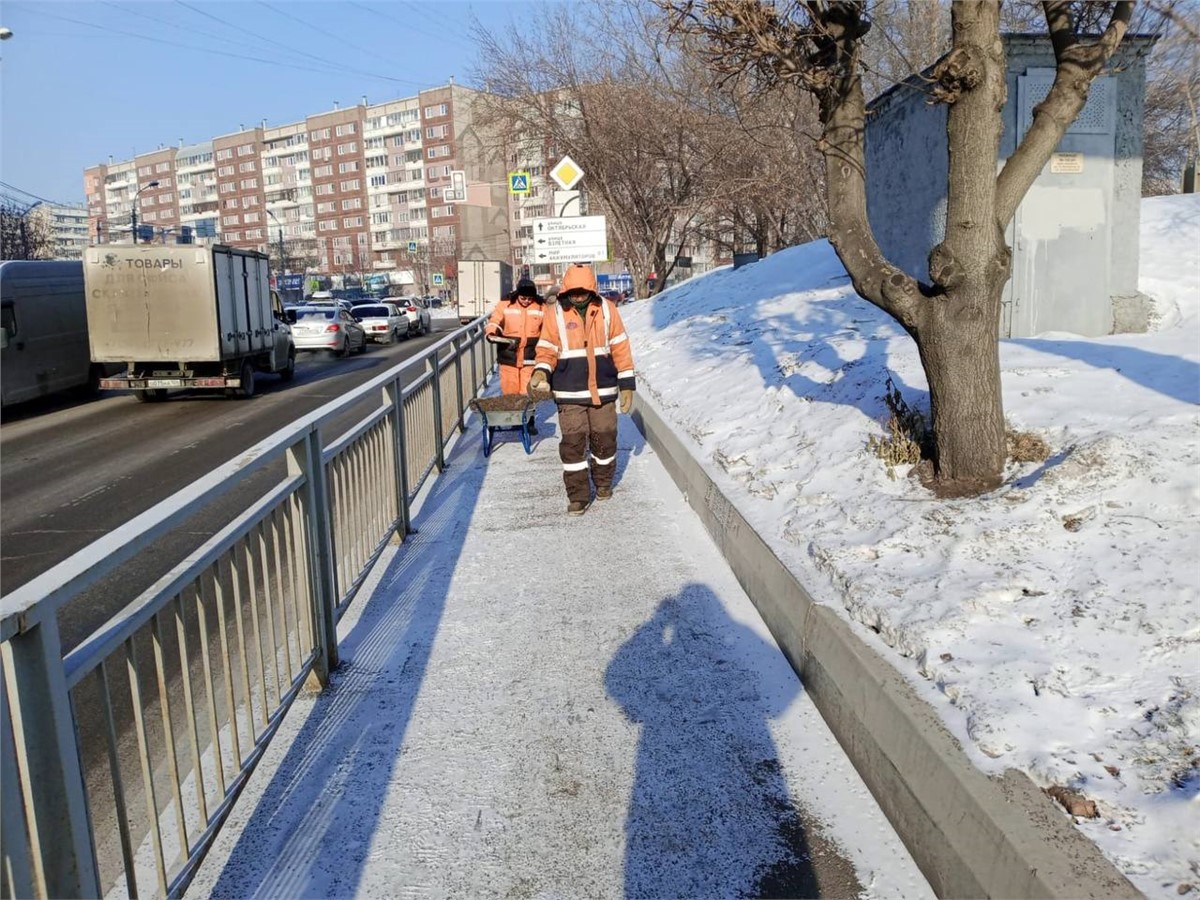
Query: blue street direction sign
pixel 412 246
pixel 438 279
pixel 518 182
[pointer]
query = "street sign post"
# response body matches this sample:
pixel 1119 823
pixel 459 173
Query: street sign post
pixel 570 239
pixel 567 203
pixel 567 173
pixel 518 183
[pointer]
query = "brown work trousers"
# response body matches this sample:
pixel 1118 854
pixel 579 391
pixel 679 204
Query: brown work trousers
pixel 588 443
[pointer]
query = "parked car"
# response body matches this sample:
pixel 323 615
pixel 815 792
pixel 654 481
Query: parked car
pixel 328 328
pixel 330 301
pixel 615 296
pixel 383 322
pixel 417 311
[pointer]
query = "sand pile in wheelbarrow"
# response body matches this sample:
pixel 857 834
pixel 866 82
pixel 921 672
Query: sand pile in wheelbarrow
pixel 504 403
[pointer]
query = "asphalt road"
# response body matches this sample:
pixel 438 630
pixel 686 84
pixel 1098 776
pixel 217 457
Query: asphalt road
pixel 74 470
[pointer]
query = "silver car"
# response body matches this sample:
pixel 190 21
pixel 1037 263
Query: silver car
pixel 383 322
pixel 417 311
pixel 328 328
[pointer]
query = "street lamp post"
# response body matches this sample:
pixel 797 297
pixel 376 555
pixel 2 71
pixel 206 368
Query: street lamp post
pixel 133 210
pixel 280 224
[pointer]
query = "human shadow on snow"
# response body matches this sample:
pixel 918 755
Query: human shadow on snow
pixel 710 801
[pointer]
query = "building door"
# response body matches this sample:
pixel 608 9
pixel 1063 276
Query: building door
pixel 1061 233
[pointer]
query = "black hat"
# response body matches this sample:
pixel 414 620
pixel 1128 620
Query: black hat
pixel 526 287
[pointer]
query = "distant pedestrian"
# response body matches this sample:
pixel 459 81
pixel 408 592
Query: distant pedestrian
pixel 584 359
pixel 514 327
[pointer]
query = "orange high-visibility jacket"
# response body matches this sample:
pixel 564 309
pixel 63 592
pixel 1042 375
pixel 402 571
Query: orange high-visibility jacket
pixel 512 320
pixel 588 362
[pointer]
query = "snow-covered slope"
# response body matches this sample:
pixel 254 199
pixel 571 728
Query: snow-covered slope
pixel 1054 623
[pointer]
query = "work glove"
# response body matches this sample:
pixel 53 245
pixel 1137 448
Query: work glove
pixel 626 400
pixel 500 339
pixel 538 384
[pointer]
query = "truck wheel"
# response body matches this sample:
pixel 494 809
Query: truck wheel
pixel 246 391
pixel 288 372
pixel 150 396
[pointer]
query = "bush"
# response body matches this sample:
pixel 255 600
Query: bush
pixel 908 440
pixel 1025 446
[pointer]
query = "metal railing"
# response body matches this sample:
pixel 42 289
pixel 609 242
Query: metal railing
pixel 182 690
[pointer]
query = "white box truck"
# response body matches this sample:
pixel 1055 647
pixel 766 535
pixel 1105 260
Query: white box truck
pixel 184 316
pixel 481 284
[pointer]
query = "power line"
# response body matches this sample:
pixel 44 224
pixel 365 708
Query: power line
pixel 443 36
pixel 169 43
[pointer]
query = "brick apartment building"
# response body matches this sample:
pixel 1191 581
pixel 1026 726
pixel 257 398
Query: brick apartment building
pixel 352 190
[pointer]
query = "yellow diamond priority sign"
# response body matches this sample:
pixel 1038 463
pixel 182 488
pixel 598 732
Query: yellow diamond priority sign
pixel 567 173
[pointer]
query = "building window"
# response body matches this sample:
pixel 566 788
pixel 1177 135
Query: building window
pixel 327 225
pixel 246 166
pixel 352 203
pixel 229 220
pixel 376 162
pixel 143 170
pixel 273 180
pixel 374 143
pixel 381 218
pixel 351 147
pixel 163 167
pixel 167 197
pixel 321 134
pixel 352 185
pixel 432 112
pixel 374 123
pixel 225 170
pixel 249 201
pixel 250 217
pixel 227 153
pixel 245 149
pixel 323 171
pixel 345 167
pixel 326 207
pixel 354 222
pixel 231 203
pixel 437 152
pixel 347 128
pixel 228 187
pixel 378 180
pixel 343 241
pixel 233 236
pixel 324 189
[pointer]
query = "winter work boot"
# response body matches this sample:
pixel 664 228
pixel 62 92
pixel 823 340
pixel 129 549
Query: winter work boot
pixel 604 493
pixel 578 507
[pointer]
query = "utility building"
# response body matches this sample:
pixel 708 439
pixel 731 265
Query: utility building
pixel 1074 237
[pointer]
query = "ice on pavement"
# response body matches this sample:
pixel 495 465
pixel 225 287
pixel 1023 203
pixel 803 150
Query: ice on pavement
pixel 536 705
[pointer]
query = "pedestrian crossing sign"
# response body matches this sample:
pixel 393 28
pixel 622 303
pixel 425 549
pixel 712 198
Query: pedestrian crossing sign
pixel 438 278
pixel 518 182
pixel 412 246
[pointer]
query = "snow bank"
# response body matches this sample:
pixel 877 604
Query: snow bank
pixel 1054 623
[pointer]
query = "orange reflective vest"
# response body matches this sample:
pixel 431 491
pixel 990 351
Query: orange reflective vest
pixel 512 320
pixel 589 361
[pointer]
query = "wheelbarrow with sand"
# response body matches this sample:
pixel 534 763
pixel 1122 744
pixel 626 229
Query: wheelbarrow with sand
pixel 506 412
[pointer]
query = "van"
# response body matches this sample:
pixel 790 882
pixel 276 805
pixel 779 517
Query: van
pixel 43 330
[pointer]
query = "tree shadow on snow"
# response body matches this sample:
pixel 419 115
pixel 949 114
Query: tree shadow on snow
pixel 311 831
pixel 816 371
pixel 710 802
pixel 1170 376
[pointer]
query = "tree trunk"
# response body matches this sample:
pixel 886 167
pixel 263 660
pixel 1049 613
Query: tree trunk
pixel 961 357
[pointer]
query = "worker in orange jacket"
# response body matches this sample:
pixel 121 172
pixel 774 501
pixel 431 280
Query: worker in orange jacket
pixel 514 327
pixel 585 362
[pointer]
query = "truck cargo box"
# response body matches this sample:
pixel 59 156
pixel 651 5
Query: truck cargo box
pixel 153 303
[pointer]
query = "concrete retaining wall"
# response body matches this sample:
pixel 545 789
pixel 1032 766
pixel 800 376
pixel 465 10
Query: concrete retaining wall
pixel 972 835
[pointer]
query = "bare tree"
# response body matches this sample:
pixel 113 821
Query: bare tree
pixel 588 81
pixel 953 317
pixel 25 231
pixel 1171 132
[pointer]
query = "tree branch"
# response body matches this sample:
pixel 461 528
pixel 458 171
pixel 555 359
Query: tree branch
pixel 1078 64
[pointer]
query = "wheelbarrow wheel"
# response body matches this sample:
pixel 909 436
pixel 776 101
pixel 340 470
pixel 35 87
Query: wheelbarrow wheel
pixel 489 435
pixel 526 437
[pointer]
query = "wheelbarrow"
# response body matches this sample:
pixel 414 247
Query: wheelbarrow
pixel 507 412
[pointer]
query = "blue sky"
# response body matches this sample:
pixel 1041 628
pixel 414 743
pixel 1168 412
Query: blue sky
pixel 146 73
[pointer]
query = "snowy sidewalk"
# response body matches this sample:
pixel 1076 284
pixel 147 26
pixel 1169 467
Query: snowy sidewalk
pixel 536 705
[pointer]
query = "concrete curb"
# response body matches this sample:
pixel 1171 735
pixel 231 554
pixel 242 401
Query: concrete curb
pixel 971 835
